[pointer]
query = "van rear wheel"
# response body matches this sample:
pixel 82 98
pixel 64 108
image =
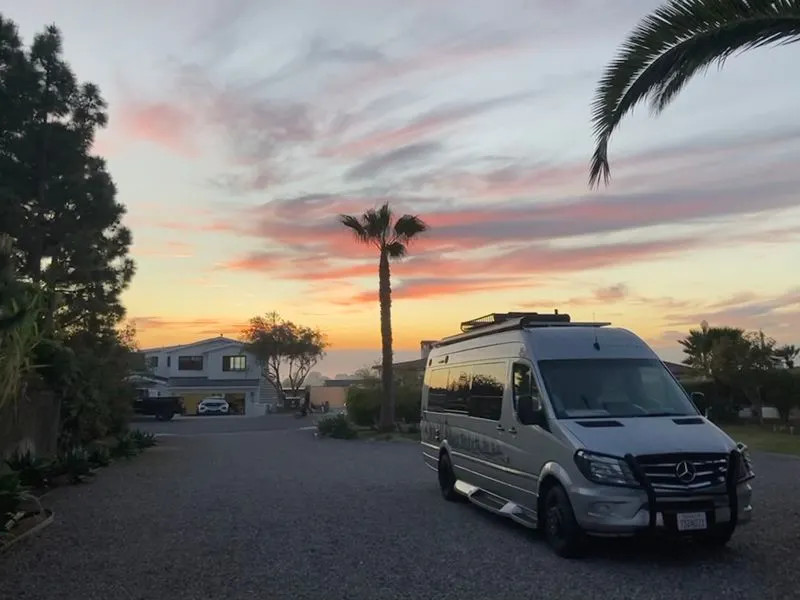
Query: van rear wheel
pixel 561 530
pixel 447 479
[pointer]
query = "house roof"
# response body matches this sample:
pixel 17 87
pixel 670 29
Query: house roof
pixel 140 377
pixel 341 382
pixel 677 368
pixel 211 340
pixel 406 365
pixel 204 382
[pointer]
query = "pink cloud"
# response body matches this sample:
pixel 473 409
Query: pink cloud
pixel 162 123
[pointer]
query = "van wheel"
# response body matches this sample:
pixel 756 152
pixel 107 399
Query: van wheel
pixel 561 530
pixel 447 479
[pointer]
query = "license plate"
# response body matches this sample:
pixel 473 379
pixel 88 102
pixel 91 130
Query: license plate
pixel 692 521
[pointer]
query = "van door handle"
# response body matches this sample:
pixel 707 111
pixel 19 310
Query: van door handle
pixel 512 430
pixel 500 427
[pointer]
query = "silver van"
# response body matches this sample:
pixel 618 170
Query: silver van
pixel 577 429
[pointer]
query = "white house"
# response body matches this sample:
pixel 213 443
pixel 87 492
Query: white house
pixel 216 366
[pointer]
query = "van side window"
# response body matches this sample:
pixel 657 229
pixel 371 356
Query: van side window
pixel 486 395
pixel 458 389
pixel 524 383
pixel 437 390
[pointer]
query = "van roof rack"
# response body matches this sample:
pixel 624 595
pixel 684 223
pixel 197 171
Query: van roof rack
pixel 495 318
pixel 509 321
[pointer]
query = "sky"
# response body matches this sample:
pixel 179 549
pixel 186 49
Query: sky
pixel 239 131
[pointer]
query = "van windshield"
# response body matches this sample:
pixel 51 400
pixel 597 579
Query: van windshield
pixel 596 388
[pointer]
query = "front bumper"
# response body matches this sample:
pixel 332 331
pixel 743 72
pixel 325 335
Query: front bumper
pixel 625 511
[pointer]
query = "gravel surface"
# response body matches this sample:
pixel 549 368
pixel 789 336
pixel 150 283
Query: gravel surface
pixel 228 509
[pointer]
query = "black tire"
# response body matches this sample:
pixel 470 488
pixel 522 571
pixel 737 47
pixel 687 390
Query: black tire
pixel 717 537
pixel 560 528
pixel 447 479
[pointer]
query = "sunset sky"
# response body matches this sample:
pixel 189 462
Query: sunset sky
pixel 239 131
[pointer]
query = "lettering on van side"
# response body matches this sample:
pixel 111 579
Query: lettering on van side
pixel 477 445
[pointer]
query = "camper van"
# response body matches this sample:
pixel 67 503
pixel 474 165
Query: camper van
pixel 576 429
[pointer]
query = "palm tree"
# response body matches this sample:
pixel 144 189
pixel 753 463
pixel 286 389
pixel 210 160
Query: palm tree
pixel 672 44
pixel 378 228
pixel 787 354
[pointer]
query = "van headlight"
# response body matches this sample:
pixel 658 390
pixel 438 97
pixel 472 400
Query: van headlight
pixel 605 470
pixel 745 469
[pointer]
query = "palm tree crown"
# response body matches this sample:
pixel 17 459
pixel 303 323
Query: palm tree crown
pixel 672 44
pixel 376 227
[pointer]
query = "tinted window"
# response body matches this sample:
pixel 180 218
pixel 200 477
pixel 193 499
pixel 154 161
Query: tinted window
pixel 486 395
pixel 458 390
pixel 437 390
pixel 190 363
pixel 613 388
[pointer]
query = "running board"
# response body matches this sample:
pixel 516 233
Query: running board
pixel 496 504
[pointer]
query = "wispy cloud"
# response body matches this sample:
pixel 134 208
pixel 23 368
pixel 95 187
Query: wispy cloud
pixel 393 160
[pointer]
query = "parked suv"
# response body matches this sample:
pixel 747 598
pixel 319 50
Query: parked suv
pixel 578 429
pixel 213 405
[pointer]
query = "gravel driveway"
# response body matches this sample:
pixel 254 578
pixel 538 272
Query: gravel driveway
pixel 261 510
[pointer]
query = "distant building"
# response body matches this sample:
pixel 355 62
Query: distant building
pixel 217 366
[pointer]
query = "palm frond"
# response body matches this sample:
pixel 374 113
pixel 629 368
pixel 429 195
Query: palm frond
pixel 377 223
pixel 356 227
pixel 396 249
pixel 670 46
pixel 409 226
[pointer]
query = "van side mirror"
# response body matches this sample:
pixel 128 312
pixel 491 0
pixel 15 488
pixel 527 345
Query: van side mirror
pixel 698 397
pixel 530 410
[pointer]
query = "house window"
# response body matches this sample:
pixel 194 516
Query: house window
pixel 152 362
pixel 168 360
pixel 190 363
pixel 234 363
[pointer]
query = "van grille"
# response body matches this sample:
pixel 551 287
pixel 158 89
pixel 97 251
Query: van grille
pixel 684 472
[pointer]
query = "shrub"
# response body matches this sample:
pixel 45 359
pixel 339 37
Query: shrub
pixel 125 447
pixel 142 439
pixel 722 402
pixel 781 389
pixel 99 456
pixel 12 494
pixel 32 471
pixel 363 404
pixel 74 463
pixel 408 404
pixel 336 426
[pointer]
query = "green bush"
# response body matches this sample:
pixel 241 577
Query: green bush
pixel 781 389
pixel 99 456
pixel 363 404
pixel 125 447
pixel 408 404
pixel 722 402
pixel 32 471
pixel 74 463
pixel 12 494
pixel 336 426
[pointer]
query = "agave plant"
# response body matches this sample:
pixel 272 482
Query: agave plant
pixel 142 439
pixel 32 470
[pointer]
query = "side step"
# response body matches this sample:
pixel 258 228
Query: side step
pixel 496 504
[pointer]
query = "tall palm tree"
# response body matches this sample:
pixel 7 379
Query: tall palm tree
pixel 378 228
pixel 672 44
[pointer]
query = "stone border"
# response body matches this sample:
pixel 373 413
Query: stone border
pixel 49 518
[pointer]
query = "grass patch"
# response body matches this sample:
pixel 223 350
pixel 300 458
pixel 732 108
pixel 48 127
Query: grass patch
pixel 758 437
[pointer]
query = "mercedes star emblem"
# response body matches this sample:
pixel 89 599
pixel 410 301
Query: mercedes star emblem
pixel 685 471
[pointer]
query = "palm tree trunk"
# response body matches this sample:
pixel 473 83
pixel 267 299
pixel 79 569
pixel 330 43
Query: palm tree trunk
pixel 387 375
